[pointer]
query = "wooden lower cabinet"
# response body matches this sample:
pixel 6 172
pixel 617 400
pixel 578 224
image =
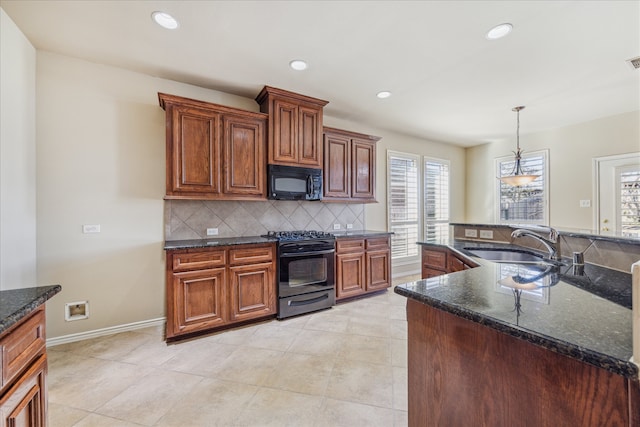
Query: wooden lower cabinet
pixel 253 294
pixel 439 260
pixel 362 266
pixel 23 359
pixel 210 288
pixel 199 298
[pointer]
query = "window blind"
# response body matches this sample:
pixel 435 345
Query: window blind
pixel 436 199
pixel 403 204
pixel 629 207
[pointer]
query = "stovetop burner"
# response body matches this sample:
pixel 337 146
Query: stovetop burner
pixel 300 235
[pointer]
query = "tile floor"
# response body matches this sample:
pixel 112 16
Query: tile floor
pixel 346 366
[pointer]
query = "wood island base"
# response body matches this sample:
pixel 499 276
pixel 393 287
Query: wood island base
pixel 462 373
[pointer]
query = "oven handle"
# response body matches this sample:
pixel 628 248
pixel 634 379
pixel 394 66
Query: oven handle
pixel 307 301
pixel 329 251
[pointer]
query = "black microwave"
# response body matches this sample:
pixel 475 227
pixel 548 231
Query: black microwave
pixel 294 183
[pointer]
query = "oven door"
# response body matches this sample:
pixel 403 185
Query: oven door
pixel 305 270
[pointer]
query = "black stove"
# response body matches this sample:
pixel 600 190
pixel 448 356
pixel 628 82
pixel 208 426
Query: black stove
pixel 299 235
pixel 305 271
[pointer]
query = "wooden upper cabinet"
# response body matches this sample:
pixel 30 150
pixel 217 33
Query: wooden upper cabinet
pixel 213 151
pixel 349 166
pixel 244 156
pixel 295 127
pixel 337 159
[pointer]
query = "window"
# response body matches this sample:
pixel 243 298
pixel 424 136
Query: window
pixel 628 203
pixel 407 182
pixel 526 203
pixel 402 199
pixel 436 199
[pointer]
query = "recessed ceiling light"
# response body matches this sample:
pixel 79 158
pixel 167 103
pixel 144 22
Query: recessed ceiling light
pixel 298 64
pixel 384 94
pixel 165 20
pixel 499 31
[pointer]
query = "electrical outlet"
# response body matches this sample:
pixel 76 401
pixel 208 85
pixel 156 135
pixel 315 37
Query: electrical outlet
pixel 212 231
pixel 336 226
pixel 470 232
pixel 91 228
pixel 349 226
pixel 486 234
pixel 585 203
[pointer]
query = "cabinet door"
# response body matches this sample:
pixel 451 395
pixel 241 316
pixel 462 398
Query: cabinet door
pixel 193 150
pixel 252 291
pixel 378 270
pixel 363 157
pixel 337 161
pixel 283 149
pixel 25 403
pixel 244 157
pixel 199 301
pixel 350 275
pixel 309 137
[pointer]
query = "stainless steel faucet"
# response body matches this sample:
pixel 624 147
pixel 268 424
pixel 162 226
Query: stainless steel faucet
pixel 552 243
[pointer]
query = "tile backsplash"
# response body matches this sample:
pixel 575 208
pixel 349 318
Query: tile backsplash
pixel 189 219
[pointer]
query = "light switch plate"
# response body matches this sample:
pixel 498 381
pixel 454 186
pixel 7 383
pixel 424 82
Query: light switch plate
pixel 336 226
pixel 585 203
pixel 91 228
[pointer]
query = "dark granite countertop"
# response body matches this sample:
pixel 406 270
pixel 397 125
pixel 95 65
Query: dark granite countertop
pixel 608 236
pixel 583 313
pixel 361 233
pixel 15 304
pixel 211 242
pixel 228 241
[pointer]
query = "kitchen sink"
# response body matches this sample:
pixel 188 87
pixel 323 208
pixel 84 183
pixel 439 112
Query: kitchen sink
pixel 507 255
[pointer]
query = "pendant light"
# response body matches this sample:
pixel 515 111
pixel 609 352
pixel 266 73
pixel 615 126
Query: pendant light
pixel 517 177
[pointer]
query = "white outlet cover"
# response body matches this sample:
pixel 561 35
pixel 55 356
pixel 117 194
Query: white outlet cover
pixel 486 234
pixel 349 226
pixel 470 232
pixel 91 228
pixel 212 231
pixel 336 226
pixel 585 203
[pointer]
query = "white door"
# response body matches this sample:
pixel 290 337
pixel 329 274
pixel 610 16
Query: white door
pixel 618 186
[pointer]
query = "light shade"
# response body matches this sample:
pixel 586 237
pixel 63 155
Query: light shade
pixel 518 180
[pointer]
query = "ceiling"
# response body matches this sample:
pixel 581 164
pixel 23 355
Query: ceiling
pixel 564 60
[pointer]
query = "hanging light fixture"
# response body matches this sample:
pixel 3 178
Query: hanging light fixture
pixel 517 177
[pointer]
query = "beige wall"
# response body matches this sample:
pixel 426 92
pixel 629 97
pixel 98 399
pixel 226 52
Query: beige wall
pixel 17 158
pixel 101 160
pixel 571 153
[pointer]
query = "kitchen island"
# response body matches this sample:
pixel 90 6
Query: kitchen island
pixel 509 344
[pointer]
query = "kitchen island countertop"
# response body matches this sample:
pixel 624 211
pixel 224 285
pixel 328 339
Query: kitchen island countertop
pixel 584 316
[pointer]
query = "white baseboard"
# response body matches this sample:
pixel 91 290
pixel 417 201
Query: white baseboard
pixel 105 331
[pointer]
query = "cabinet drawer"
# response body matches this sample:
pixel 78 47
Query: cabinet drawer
pixel 251 254
pixel 21 346
pixel 198 260
pixel 350 245
pixel 434 259
pixel 377 243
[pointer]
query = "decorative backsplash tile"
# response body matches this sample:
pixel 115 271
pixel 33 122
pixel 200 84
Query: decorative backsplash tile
pixel 189 219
